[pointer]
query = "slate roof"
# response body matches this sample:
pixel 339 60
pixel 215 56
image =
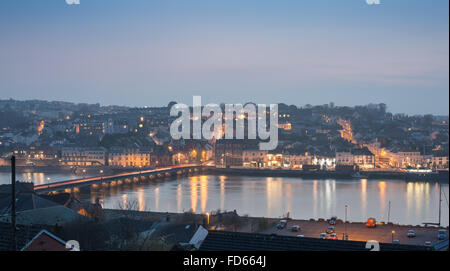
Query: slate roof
pixel 21 187
pixel 239 241
pixel 24 234
pixel 26 201
pixel 363 151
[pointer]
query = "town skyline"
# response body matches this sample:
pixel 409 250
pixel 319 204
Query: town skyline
pixel 219 103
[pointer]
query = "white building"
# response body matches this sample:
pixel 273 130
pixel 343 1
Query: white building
pixel 440 162
pixel 410 159
pixel 363 158
pixel 344 158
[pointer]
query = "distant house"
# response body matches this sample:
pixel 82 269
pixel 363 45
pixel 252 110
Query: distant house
pixel 229 152
pixel 253 157
pixel 363 158
pixel 46 241
pixel 124 157
pixel 440 161
pixel 410 159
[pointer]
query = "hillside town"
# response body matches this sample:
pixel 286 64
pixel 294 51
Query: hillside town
pixel 323 137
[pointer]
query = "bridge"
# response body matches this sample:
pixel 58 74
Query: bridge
pixel 135 176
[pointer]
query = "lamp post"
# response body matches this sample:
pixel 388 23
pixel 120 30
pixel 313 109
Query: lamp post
pixel 389 212
pixel 393 232
pixel 345 223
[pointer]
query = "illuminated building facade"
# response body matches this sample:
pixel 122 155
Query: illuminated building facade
pixel 122 157
pixel 78 156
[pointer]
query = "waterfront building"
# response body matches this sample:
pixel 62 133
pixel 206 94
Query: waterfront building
pixel 410 159
pixel 254 158
pixel 78 156
pixel 362 157
pixel 126 157
pixel 229 152
pixel 325 163
pixel 297 161
pixel 440 162
pixel 344 158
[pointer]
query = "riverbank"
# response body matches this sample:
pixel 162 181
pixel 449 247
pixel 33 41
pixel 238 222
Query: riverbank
pixel 98 171
pixel 391 175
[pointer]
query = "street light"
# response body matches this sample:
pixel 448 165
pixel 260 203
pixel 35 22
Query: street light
pixel 393 232
pixel 345 223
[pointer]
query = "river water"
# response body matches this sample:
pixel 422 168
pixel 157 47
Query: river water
pixel 411 202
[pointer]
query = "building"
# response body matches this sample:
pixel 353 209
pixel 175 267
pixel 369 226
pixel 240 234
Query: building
pixel 254 158
pixel 440 162
pixel 297 161
pixel 410 159
pixel 344 158
pixel 229 152
pixel 161 156
pixel 85 157
pixel 124 157
pixel 46 241
pixel 276 160
pixel 191 152
pixel 362 157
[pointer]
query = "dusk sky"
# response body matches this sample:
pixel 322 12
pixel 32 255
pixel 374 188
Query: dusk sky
pixel 133 52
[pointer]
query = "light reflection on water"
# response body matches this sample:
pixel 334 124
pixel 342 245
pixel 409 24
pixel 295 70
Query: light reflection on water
pixel 411 202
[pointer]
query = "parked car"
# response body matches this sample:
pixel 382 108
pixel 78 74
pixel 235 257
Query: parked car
pixel 371 223
pixel 333 236
pixel 282 224
pixel 442 234
pixel 300 236
pixel 428 243
pixel 411 234
pixel 323 235
pixel 295 228
pixel 395 241
pixel 332 220
pixel 330 229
